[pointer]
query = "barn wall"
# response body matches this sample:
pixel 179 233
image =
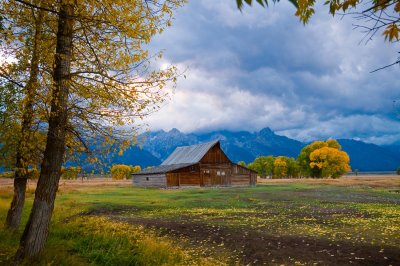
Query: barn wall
pixel 215 174
pixel 242 176
pixel 150 180
pixel 188 176
pixel 215 155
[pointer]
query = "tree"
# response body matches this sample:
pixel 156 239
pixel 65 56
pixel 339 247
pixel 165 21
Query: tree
pixel 293 168
pixel 242 163
pixel 26 146
pixel 121 171
pixel 137 169
pixel 280 167
pixel 36 231
pixel 99 74
pixel 323 159
pixel 376 16
pixel 304 159
pixel 398 171
pixel 332 162
pixel 263 165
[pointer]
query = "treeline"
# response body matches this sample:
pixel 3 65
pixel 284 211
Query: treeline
pixel 320 159
pixel 117 171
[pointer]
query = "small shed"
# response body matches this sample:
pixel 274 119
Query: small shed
pixel 201 165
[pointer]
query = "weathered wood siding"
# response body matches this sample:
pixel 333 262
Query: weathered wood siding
pixel 188 176
pixel 242 176
pixel 150 180
pixel 215 174
pixel 214 169
pixel 215 155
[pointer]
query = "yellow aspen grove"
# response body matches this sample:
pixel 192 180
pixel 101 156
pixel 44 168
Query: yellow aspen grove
pixel 332 162
pixel 103 81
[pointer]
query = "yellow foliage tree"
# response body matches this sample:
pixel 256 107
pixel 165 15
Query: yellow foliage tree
pixel 332 162
pixel 280 167
pixel 121 171
pixel 137 169
pixel 70 173
pixel 98 80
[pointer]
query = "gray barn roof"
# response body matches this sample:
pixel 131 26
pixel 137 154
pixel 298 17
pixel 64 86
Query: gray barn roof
pixel 181 157
pixel 162 169
pixel 189 154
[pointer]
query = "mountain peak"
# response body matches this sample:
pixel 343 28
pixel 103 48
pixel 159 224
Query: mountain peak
pixel 174 130
pixel 266 131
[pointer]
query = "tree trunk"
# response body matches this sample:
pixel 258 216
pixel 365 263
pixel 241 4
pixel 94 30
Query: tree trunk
pixel 14 213
pixel 36 231
pixel 21 172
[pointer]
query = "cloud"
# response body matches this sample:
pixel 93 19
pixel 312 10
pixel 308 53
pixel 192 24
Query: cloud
pixel 264 68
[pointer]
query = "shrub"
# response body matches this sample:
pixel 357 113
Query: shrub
pixel 70 173
pixel 33 173
pixel 7 175
pixel 137 168
pixel 398 171
pixel 121 171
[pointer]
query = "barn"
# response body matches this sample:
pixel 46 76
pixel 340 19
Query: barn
pixel 201 165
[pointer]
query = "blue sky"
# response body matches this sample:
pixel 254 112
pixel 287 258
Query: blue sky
pixel 263 68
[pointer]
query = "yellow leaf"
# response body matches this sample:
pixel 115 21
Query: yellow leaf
pixel 391 32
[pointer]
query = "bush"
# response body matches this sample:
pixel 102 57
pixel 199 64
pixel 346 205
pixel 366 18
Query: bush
pixel 137 168
pixel 33 174
pixel 398 171
pixel 7 175
pixel 121 171
pixel 70 173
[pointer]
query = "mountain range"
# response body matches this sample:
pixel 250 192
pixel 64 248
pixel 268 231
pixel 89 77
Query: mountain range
pixel 154 147
pixel 246 146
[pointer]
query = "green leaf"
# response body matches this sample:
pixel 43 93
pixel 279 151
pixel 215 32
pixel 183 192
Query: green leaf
pixel 239 4
pixel 294 2
pixel 262 3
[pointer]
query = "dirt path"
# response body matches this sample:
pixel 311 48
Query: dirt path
pixel 251 247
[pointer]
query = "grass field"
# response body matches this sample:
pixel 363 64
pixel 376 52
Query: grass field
pixel 351 221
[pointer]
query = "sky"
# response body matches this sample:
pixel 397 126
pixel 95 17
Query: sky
pixel 263 68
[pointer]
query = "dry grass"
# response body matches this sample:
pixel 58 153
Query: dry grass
pixel 7 184
pixel 366 180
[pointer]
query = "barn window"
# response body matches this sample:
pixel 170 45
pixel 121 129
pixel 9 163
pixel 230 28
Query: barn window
pixel 147 178
pixel 218 173
pixel 222 172
pixel 192 168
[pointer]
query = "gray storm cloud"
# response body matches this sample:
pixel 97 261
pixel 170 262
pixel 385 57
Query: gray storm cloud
pixel 262 67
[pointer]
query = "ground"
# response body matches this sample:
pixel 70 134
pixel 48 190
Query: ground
pixel 349 221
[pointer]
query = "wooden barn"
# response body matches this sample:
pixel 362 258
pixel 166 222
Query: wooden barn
pixel 202 165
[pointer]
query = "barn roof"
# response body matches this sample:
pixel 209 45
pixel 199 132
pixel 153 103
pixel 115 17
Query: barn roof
pixel 189 154
pixel 181 157
pixel 163 169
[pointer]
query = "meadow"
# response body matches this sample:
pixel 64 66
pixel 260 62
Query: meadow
pixel 349 221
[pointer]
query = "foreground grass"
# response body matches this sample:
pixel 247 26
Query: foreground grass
pixel 126 226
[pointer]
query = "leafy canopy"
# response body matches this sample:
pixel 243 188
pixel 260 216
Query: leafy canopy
pixel 323 159
pixel 377 15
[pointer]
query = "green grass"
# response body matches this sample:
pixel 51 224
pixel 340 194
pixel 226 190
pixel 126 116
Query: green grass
pixel 356 214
